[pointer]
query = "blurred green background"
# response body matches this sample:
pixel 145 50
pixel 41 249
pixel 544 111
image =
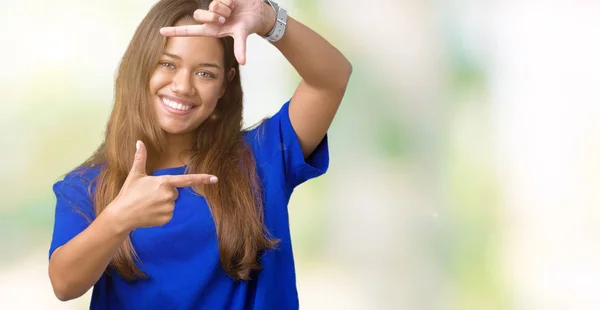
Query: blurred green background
pixel 464 159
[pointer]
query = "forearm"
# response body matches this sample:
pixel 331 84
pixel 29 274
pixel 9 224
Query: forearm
pixel 319 63
pixel 76 266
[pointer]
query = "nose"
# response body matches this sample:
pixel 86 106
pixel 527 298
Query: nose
pixel 182 85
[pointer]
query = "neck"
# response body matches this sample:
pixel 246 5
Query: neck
pixel 177 151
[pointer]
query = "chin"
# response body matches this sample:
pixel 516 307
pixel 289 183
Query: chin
pixel 173 129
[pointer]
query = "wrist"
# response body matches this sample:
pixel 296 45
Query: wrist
pixel 116 220
pixel 269 17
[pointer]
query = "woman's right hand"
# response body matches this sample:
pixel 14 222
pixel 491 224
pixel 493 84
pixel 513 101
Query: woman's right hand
pixel 146 201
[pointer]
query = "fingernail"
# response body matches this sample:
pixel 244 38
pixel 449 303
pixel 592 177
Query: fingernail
pixel 137 145
pixel 222 20
pixel 213 180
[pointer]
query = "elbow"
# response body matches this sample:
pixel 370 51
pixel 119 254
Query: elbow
pixel 61 287
pixel 338 82
pixel 348 68
pixel 65 292
pixel 334 78
pixel 346 73
pixel 62 292
pixel 61 296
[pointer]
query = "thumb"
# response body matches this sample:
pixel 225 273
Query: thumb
pixel 239 47
pixel 139 161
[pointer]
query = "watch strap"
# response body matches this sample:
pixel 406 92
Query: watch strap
pixel 280 22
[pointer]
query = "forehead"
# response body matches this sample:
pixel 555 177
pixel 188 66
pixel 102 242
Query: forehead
pixel 194 49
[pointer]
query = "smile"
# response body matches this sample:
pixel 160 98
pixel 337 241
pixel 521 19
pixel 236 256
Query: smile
pixel 176 105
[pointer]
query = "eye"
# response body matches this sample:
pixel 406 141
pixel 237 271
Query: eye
pixel 205 74
pixel 166 65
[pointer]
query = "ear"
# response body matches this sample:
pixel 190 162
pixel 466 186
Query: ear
pixel 230 77
pixel 231 74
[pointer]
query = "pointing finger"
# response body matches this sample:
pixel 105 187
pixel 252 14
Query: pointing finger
pixel 189 179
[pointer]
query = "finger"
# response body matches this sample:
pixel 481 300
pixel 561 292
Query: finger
pixel 189 179
pixel 190 30
pixel 174 194
pixel 228 3
pixel 165 218
pixel 204 16
pixel 139 161
pixel 220 8
pixel 239 47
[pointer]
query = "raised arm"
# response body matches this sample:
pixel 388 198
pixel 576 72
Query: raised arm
pixel 325 73
pixel 324 70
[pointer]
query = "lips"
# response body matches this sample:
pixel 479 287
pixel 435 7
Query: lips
pixel 177 106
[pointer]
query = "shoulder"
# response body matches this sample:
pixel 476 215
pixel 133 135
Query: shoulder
pixel 267 133
pixel 80 179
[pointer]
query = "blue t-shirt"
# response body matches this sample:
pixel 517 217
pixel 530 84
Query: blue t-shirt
pixel 181 258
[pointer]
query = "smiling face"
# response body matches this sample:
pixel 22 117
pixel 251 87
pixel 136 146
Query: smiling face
pixel 187 82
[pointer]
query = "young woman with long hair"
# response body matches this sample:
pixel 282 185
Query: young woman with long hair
pixel 180 207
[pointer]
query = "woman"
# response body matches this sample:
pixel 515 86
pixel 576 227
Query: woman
pixel 179 208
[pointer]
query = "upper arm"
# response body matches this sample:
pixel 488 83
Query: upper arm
pixel 74 210
pixel 278 153
pixel 312 110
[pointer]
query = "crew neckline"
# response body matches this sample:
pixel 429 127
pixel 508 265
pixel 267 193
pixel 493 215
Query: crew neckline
pixel 171 171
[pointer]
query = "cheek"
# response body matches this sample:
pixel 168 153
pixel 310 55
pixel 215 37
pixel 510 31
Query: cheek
pixel 158 80
pixel 210 92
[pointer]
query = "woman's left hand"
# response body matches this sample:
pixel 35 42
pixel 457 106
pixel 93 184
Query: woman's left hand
pixel 235 18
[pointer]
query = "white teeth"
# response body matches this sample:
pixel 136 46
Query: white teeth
pixel 176 105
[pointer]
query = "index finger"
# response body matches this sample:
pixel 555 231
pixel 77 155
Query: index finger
pixel 189 31
pixel 189 179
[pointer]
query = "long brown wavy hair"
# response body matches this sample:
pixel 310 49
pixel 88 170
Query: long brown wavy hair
pixel 220 149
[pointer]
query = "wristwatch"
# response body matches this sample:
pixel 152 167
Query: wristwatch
pixel 280 22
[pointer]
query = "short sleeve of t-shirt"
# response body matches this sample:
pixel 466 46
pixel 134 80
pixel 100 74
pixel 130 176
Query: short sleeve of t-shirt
pixel 74 207
pixel 276 144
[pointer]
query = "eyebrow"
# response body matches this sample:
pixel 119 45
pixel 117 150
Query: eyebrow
pixel 202 64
